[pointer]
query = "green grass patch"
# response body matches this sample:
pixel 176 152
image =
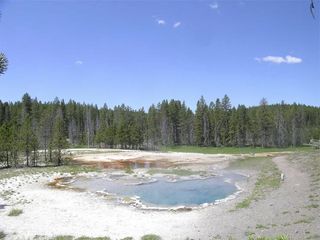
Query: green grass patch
pixel 260 226
pixel 251 163
pixel 280 237
pixel 15 212
pixel 63 237
pixel 232 150
pixel 94 238
pixel 245 203
pixel 268 179
pixel 151 237
pixel 129 170
pixel 312 206
pixel 69 237
pixel 304 221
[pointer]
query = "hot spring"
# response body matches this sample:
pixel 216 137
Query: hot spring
pixel 163 191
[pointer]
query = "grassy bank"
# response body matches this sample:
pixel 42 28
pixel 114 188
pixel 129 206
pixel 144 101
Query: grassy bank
pixel 232 150
pixel 268 178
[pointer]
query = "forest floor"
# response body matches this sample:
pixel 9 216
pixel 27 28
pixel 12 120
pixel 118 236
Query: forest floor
pixel 266 207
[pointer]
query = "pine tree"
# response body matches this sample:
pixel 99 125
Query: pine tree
pixel 280 127
pixel 233 128
pixel 59 141
pixel 6 144
pixel 217 120
pixel 164 123
pixel 153 127
pixel 27 138
pixel 298 122
pixel 201 124
pixel 226 110
pixel 265 124
pixel 29 125
pixel 242 125
pixel 45 132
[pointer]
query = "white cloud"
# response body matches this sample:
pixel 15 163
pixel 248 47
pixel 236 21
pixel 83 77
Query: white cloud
pixel 291 59
pixel 276 59
pixel 214 5
pixel 78 62
pixel 176 24
pixel 161 21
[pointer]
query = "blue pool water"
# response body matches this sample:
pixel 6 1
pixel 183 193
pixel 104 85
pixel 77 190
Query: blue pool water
pixel 164 193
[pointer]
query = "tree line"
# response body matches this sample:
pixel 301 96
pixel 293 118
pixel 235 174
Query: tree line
pixel 34 132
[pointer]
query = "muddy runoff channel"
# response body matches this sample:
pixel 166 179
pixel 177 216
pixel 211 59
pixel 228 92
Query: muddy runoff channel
pixel 155 185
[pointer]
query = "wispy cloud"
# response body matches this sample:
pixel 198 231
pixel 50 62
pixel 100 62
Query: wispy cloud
pixel 161 21
pixel 176 24
pixel 78 62
pixel 214 5
pixel 277 59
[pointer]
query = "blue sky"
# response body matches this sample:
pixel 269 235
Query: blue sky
pixel 140 52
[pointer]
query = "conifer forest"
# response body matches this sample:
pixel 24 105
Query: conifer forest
pixel 32 131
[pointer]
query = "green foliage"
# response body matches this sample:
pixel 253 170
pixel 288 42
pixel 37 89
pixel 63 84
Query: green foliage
pixel 151 237
pixel 59 141
pixel 29 125
pixel 201 123
pixel 15 212
pixel 8 144
pixel 265 123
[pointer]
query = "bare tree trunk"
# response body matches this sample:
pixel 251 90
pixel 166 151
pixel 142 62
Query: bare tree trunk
pixel 7 158
pixel 27 154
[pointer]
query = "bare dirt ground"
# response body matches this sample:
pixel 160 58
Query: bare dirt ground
pixel 282 211
pixel 101 156
pixel 49 212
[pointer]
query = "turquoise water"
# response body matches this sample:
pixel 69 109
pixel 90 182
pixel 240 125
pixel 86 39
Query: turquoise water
pixel 164 193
